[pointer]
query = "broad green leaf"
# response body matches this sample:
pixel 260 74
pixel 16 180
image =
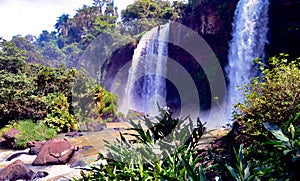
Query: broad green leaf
pixel 202 175
pixel 247 171
pixel 232 172
pixel 276 131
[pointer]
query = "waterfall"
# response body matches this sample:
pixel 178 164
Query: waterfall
pixel 249 36
pixel 146 84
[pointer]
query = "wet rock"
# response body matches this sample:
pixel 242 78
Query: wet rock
pixel 78 163
pixel 15 156
pixel 99 127
pixel 54 152
pixel 35 147
pixel 11 137
pixel 73 134
pixel 16 170
pixel 38 175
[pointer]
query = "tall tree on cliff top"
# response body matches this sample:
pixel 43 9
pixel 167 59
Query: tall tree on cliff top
pixel 148 9
pixel 63 25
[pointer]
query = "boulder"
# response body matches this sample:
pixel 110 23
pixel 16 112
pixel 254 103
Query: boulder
pixel 35 147
pixel 55 152
pixel 16 170
pixel 11 137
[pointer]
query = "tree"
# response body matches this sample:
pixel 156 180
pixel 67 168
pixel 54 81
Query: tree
pixel 46 38
pixel 12 59
pixel 141 9
pixel 63 25
pixel 53 56
pixel 32 55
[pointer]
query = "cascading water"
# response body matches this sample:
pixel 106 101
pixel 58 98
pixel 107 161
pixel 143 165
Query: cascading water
pixel 249 36
pixel 146 85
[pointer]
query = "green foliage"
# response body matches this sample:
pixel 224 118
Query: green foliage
pixel 145 159
pixel 271 103
pixel 106 102
pixel 17 87
pixel 33 91
pixel 275 98
pixel 58 116
pixel 145 9
pixel 286 148
pixel 11 58
pixel 241 171
pixel 30 131
pixel 24 43
pixel 143 15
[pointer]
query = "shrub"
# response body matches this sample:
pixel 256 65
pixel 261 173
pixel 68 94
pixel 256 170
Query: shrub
pixel 271 103
pixel 58 116
pixel 276 98
pixel 106 102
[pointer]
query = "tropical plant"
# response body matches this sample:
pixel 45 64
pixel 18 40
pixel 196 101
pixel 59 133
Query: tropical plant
pixel 271 101
pixel 241 171
pixel 63 25
pixel 286 148
pixel 144 158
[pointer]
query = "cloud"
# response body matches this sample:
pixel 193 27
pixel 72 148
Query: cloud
pixel 32 16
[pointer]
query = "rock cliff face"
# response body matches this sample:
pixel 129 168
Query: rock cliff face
pixel 213 22
pixel 284 36
pixel 116 62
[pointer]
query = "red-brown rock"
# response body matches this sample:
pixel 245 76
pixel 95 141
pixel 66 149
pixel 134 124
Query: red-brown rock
pixel 35 147
pixel 16 170
pixel 54 152
pixel 11 137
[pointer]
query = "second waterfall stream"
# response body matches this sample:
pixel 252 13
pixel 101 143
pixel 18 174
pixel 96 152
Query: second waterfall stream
pixel 249 37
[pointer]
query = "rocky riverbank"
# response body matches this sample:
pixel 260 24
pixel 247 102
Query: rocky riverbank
pixel 61 158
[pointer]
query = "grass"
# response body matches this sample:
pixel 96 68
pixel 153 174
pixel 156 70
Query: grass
pixel 30 131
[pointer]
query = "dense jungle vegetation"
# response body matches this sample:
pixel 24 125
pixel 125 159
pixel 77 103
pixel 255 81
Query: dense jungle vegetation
pixel 38 76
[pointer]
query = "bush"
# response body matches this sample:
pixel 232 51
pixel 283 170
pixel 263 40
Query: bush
pixel 271 111
pixel 276 98
pixel 106 102
pixel 58 116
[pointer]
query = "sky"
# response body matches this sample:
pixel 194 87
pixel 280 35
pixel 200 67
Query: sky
pixel 33 16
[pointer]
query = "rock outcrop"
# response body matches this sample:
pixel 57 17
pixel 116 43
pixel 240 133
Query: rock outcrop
pixel 11 138
pixel 15 171
pixel 55 152
pixel 284 33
